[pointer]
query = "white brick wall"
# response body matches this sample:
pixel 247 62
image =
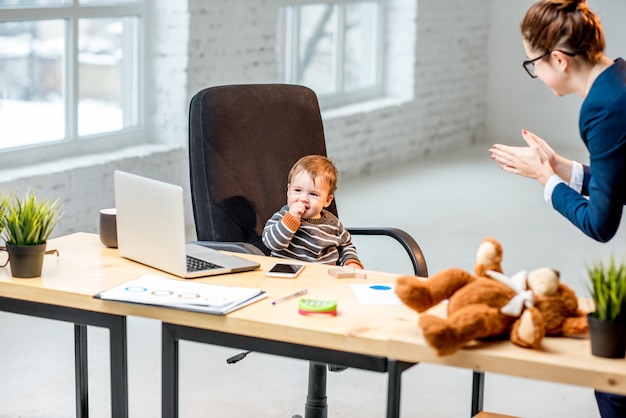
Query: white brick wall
pixel 86 186
pixel 231 42
pixel 166 107
pixel 448 106
pixel 438 85
pixel 234 44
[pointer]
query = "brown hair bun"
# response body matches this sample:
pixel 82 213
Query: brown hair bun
pixel 568 25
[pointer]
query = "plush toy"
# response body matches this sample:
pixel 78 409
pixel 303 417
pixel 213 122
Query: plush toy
pixel 524 307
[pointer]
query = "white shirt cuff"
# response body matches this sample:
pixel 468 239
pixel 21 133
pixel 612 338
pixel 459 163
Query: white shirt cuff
pixel 577 177
pixel 549 188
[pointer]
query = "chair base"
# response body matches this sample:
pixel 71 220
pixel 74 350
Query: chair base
pixel 316 405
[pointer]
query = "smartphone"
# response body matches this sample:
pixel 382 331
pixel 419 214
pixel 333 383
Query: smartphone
pixel 284 270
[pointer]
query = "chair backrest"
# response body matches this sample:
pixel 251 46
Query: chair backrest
pixel 243 140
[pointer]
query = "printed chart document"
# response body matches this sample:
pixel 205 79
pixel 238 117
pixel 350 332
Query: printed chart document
pixel 180 294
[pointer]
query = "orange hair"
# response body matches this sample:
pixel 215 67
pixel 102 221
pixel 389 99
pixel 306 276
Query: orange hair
pixel 316 166
pixel 569 25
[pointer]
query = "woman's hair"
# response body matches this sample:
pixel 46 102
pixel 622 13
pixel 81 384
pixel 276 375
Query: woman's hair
pixel 569 25
pixel 318 167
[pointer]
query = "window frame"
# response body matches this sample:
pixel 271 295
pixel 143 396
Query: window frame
pixel 73 145
pixel 340 97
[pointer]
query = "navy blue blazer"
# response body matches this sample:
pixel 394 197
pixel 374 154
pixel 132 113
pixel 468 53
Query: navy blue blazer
pixel 602 125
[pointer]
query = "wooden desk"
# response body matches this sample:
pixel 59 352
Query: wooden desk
pixel 382 338
pixel 357 337
pixel 51 296
pixel 560 360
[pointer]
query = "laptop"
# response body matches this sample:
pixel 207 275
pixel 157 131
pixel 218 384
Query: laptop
pixel 151 230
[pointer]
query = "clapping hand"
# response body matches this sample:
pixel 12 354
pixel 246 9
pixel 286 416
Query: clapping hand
pixel 533 161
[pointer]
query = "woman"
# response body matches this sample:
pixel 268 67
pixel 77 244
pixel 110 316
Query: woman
pixel 564 42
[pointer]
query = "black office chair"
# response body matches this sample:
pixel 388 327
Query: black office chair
pixel 243 140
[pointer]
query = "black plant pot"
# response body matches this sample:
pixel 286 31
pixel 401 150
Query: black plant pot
pixel 26 261
pixel 608 338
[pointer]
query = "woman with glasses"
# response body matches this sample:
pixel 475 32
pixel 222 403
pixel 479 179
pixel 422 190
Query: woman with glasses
pixel 564 42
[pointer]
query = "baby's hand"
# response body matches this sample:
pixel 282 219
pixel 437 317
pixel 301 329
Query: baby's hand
pixel 297 209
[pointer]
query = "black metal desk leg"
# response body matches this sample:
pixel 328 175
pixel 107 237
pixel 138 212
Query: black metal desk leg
pixel 394 386
pixel 169 373
pixel 82 319
pixel 119 368
pixel 80 371
pixel 478 392
pixel 316 405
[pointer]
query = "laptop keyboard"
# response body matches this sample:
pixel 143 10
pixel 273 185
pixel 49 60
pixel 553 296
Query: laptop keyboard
pixel 195 264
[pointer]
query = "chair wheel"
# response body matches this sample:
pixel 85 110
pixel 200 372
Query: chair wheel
pixel 297 416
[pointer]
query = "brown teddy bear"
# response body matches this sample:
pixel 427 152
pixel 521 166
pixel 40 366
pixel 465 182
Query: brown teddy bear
pixel 525 307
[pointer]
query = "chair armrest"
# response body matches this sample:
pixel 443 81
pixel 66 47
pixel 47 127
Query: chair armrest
pixel 235 247
pixel 408 243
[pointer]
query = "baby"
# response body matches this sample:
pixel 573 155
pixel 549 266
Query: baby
pixel 303 229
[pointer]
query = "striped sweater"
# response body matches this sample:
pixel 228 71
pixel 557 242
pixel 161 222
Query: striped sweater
pixel 324 240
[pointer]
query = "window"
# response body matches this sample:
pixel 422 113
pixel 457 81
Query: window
pixel 69 77
pixel 335 48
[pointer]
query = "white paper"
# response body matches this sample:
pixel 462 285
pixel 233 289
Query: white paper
pixel 375 293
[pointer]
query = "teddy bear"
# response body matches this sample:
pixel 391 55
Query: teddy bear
pixel 488 304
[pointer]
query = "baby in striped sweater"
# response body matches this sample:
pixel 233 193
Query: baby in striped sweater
pixel 303 229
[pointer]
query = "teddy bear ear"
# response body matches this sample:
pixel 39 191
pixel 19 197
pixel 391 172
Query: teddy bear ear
pixel 488 257
pixel 544 281
pixel 489 252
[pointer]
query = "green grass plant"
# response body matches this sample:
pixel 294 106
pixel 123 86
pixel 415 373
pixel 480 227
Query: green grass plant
pixel 3 209
pixel 29 221
pixel 607 285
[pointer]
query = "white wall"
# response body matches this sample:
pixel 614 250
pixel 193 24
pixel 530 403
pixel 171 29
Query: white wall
pixel 467 86
pixel 516 101
pixel 85 185
pixel 197 44
pixel 230 44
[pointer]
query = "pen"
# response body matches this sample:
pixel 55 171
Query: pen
pixel 289 297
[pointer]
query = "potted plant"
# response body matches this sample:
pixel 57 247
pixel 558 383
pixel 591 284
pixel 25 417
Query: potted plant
pixel 3 208
pixel 28 223
pixel 3 200
pixel 607 285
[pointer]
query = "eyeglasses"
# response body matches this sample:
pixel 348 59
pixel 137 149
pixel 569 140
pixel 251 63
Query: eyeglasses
pixel 529 65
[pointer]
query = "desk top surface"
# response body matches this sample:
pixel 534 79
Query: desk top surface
pixel 85 267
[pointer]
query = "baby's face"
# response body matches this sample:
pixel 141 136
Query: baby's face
pixel 313 195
